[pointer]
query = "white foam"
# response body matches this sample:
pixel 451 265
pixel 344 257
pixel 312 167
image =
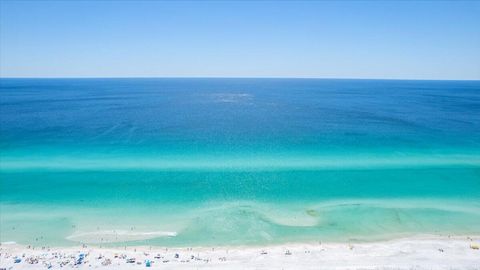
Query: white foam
pixel 111 236
pixel 8 243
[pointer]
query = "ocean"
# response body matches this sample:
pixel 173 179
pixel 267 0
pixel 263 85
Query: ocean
pixel 223 162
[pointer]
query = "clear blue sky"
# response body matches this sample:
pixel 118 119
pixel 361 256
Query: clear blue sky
pixel 399 39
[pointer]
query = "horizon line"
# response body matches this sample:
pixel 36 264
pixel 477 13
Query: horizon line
pixel 232 77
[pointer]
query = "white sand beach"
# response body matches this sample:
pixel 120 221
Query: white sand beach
pixel 421 252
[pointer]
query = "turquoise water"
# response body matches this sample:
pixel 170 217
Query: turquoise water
pixel 198 162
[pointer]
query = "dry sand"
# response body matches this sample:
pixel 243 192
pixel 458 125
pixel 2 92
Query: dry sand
pixel 421 252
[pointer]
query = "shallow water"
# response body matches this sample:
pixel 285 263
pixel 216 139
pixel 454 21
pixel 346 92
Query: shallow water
pixel 183 162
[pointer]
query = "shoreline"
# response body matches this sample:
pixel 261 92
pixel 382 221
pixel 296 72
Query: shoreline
pixel 418 252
